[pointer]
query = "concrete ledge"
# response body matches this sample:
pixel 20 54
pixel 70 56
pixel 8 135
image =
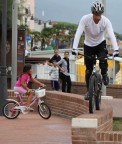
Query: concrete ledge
pixel 106 97
pixel 86 128
pixel 84 123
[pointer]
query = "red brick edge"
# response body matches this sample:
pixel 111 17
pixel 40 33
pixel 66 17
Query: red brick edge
pixel 86 128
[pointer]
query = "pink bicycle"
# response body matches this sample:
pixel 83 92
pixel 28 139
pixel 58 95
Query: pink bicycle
pixel 13 108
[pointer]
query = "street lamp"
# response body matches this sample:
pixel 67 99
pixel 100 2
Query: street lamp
pixel 3 69
pixel 45 22
pixel 40 21
pixel 14 41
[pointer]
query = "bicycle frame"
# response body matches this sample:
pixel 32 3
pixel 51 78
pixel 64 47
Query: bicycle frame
pixel 22 105
pixel 36 100
pixel 13 108
pixel 95 70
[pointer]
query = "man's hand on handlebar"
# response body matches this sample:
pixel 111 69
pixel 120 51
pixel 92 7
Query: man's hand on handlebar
pixel 78 54
pixel 74 52
pixel 42 85
pixel 116 53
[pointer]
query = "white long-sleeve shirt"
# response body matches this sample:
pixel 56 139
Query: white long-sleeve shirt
pixel 54 73
pixel 94 33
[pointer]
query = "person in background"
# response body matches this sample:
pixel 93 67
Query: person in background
pixel 56 57
pixel 43 41
pixel 21 84
pixel 54 75
pixel 27 53
pixel 65 73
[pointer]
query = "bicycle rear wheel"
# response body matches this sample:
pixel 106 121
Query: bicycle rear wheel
pixel 8 110
pixel 98 92
pixel 44 110
pixel 92 94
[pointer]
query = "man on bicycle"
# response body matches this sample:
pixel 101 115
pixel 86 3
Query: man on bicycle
pixel 94 26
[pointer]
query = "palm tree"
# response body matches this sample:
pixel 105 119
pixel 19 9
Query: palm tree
pixel 21 12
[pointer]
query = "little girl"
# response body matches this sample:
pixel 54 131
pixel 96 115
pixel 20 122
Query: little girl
pixel 21 85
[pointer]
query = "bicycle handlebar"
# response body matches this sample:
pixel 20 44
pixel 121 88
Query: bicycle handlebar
pixel 118 59
pixel 93 57
pixel 101 58
pixel 39 88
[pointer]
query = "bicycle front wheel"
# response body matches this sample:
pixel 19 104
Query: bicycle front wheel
pixel 44 111
pixel 92 94
pixel 8 110
pixel 98 92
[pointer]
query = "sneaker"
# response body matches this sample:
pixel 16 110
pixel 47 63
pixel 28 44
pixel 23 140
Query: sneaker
pixel 86 97
pixel 105 79
pixel 30 109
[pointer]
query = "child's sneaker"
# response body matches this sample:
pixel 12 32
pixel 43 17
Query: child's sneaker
pixel 30 109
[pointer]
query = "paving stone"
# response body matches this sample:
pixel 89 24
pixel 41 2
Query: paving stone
pixel 32 129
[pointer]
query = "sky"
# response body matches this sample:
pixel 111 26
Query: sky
pixel 73 10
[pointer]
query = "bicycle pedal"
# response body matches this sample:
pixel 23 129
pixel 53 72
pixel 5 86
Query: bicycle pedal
pixel 31 110
pixel 25 112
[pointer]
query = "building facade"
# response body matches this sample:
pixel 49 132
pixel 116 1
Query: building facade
pixel 26 11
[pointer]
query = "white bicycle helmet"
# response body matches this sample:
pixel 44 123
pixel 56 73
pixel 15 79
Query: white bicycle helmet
pixel 97 7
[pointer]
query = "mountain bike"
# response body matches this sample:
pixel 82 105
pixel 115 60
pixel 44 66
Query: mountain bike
pixel 95 87
pixel 95 84
pixel 13 108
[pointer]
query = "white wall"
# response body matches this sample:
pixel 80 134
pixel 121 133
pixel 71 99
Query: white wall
pixel 42 71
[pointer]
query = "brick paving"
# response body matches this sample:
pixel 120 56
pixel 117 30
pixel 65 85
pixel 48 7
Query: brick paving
pixel 32 129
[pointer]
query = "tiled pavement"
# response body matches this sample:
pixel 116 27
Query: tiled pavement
pixel 32 129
